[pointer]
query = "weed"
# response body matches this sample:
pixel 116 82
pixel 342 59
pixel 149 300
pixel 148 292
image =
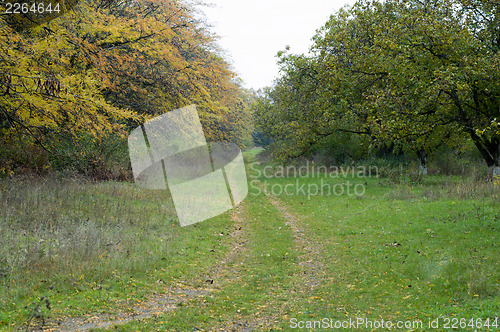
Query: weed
pixel 37 310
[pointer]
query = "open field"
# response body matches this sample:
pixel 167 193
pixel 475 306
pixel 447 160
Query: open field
pixel 111 255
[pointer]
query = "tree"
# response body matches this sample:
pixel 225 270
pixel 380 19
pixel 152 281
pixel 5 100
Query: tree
pixel 45 97
pixel 413 73
pixel 373 76
pixel 439 60
pixel 96 72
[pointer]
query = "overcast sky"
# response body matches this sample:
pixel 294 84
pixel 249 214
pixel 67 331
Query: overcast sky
pixel 253 31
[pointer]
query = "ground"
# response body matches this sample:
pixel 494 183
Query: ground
pixel 408 252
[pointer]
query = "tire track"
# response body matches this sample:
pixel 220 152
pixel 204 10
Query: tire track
pixel 312 273
pixel 227 268
pixel 310 258
pixel 173 297
pixel 230 270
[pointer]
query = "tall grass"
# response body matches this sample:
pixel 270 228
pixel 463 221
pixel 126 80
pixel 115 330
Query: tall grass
pixel 56 233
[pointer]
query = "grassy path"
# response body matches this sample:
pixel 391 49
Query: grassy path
pixel 172 297
pixel 312 252
pixel 410 254
pixel 269 271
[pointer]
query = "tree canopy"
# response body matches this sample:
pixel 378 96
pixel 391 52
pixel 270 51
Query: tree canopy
pixel 416 74
pixel 71 88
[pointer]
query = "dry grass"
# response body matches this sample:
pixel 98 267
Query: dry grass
pixel 54 233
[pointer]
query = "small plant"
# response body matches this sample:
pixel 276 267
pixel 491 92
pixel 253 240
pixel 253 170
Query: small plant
pixel 38 310
pixel 479 212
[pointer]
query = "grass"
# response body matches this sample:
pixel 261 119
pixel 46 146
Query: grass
pixel 406 256
pixel 93 247
pixel 263 278
pixel 408 249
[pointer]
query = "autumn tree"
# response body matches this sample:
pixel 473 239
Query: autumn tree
pixel 157 57
pixel 46 98
pixel 83 80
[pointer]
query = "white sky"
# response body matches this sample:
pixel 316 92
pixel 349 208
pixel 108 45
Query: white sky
pixel 253 31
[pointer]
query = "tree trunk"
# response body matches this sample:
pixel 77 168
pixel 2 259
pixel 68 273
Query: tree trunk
pixel 490 150
pixel 422 158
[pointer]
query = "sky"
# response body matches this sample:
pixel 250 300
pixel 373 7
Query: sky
pixel 253 31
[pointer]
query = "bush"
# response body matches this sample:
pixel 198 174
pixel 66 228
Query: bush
pixel 82 156
pixel 453 162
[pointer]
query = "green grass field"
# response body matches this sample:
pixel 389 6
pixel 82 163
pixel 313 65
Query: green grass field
pixel 112 256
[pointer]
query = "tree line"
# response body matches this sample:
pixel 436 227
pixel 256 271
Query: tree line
pixel 407 75
pixel 73 84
